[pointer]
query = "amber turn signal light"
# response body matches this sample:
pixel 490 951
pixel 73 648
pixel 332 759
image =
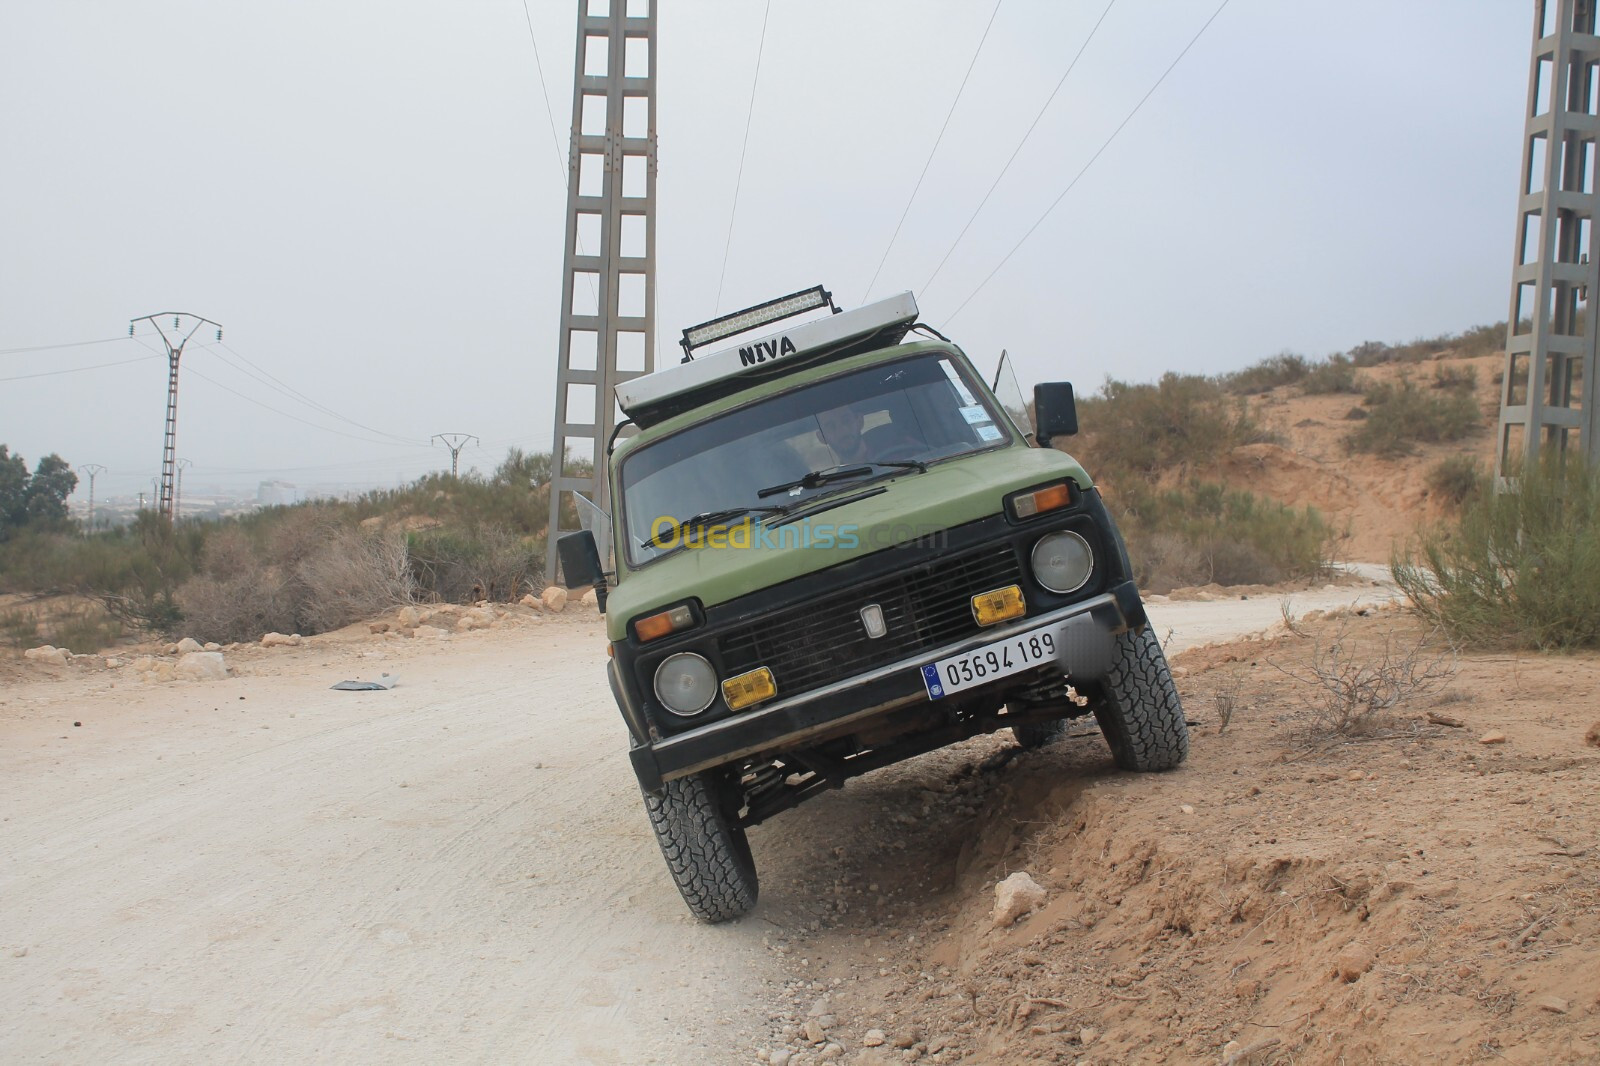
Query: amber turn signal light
pixel 655 626
pixel 1049 498
pixel 749 688
pixel 999 605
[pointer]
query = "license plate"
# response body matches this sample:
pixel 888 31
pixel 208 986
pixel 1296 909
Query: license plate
pixel 981 665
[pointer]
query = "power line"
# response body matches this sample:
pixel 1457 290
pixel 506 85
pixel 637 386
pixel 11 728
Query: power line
pixel 1018 149
pixel 53 347
pixel 280 386
pixel 1098 152
pixel 79 369
pixel 563 167
pixel 549 113
pixel 296 418
pixel 733 212
pixel 932 151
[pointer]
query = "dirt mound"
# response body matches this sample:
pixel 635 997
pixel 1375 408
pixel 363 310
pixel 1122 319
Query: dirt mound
pixel 1374 502
pixel 1281 898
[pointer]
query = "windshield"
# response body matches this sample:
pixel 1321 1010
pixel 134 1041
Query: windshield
pixel 911 411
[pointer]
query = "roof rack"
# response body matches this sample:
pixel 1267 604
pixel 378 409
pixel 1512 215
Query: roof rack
pixel 651 398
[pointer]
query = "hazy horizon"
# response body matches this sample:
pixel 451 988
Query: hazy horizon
pixel 368 198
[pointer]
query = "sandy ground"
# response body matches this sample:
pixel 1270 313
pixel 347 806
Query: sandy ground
pixel 1414 892
pixel 261 869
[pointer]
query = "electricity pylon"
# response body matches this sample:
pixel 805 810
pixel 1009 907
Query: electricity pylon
pixel 93 470
pixel 169 446
pixel 177 499
pixel 455 442
pixel 608 277
pixel 1550 395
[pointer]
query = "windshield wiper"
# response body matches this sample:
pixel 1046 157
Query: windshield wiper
pixel 683 527
pixel 818 478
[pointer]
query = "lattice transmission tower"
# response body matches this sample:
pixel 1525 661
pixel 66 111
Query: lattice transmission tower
pixel 1550 395
pixel 173 337
pixel 608 279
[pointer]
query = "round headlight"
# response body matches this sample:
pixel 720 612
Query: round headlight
pixel 1062 562
pixel 685 683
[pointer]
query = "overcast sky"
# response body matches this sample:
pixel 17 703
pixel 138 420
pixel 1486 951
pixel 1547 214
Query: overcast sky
pixel 368 197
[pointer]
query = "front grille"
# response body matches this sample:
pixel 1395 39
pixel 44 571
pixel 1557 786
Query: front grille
pixel 822 640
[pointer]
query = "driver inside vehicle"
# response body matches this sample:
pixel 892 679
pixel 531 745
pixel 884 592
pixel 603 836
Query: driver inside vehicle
pixel 842 432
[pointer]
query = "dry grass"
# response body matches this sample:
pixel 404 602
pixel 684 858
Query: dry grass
pixel 1352 687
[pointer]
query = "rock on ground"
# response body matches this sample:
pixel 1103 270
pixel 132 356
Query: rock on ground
pixel 189 645
pixel 1016 896
pixel 281 640
pixel 477 618
pixel 591 599
pixel 555 598
pixel 408 618
pixel 48 653
pixel 202 666
pixel 1353 961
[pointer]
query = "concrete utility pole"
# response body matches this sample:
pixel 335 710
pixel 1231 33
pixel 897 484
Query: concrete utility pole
pixel 169 447
pixel 1550 396
pixel 455 442
pixel 608 279
pixel 177 499
pixel 93 470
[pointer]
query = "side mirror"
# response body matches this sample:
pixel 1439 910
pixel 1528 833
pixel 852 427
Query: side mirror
pixel 1054 411
pixel 580 564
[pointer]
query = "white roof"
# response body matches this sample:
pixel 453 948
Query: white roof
pixel 755 357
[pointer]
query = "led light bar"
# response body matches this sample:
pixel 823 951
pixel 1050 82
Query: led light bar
pixel 754 318
pixel 651 397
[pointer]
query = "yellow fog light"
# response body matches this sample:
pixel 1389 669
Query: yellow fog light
pixel 991 607
pixel 749 688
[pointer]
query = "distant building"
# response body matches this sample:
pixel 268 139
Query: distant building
pixel 277 494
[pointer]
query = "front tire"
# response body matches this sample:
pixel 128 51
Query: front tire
pixel 1139 712
pixel 705 847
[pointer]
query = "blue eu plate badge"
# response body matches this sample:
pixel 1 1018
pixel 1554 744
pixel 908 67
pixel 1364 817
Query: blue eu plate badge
pixel 930 677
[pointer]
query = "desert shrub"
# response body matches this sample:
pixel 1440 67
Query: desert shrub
pixel 1337 373
pixel 1285 368
pixel 354 575
pixel 456 565
pixel 1204 532
pixel 1404 415
pixel 1455 478
pixel 1353 688
pixel 1453 377
pixel 310 572
pixel 1141 430
pixel 1517 567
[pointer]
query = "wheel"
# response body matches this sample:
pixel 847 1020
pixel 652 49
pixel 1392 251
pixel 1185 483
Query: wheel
pixel 1033 735
pixel 1139 712
pixel 705 848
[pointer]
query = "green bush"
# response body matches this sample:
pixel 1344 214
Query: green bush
pixel 1137 431
pixel 1455 478
pixel 1285 368
pixel 1335 374
pixel 1454 377
pixel 1204 532
pixel 1404 415
pixel 1518 567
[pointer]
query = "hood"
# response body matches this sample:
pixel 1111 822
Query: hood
pixel 913 505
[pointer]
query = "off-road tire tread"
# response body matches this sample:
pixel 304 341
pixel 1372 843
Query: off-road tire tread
pixel 1141 716
pixel 706 852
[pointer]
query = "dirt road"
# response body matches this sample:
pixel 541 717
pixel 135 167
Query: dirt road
pixel 261 869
